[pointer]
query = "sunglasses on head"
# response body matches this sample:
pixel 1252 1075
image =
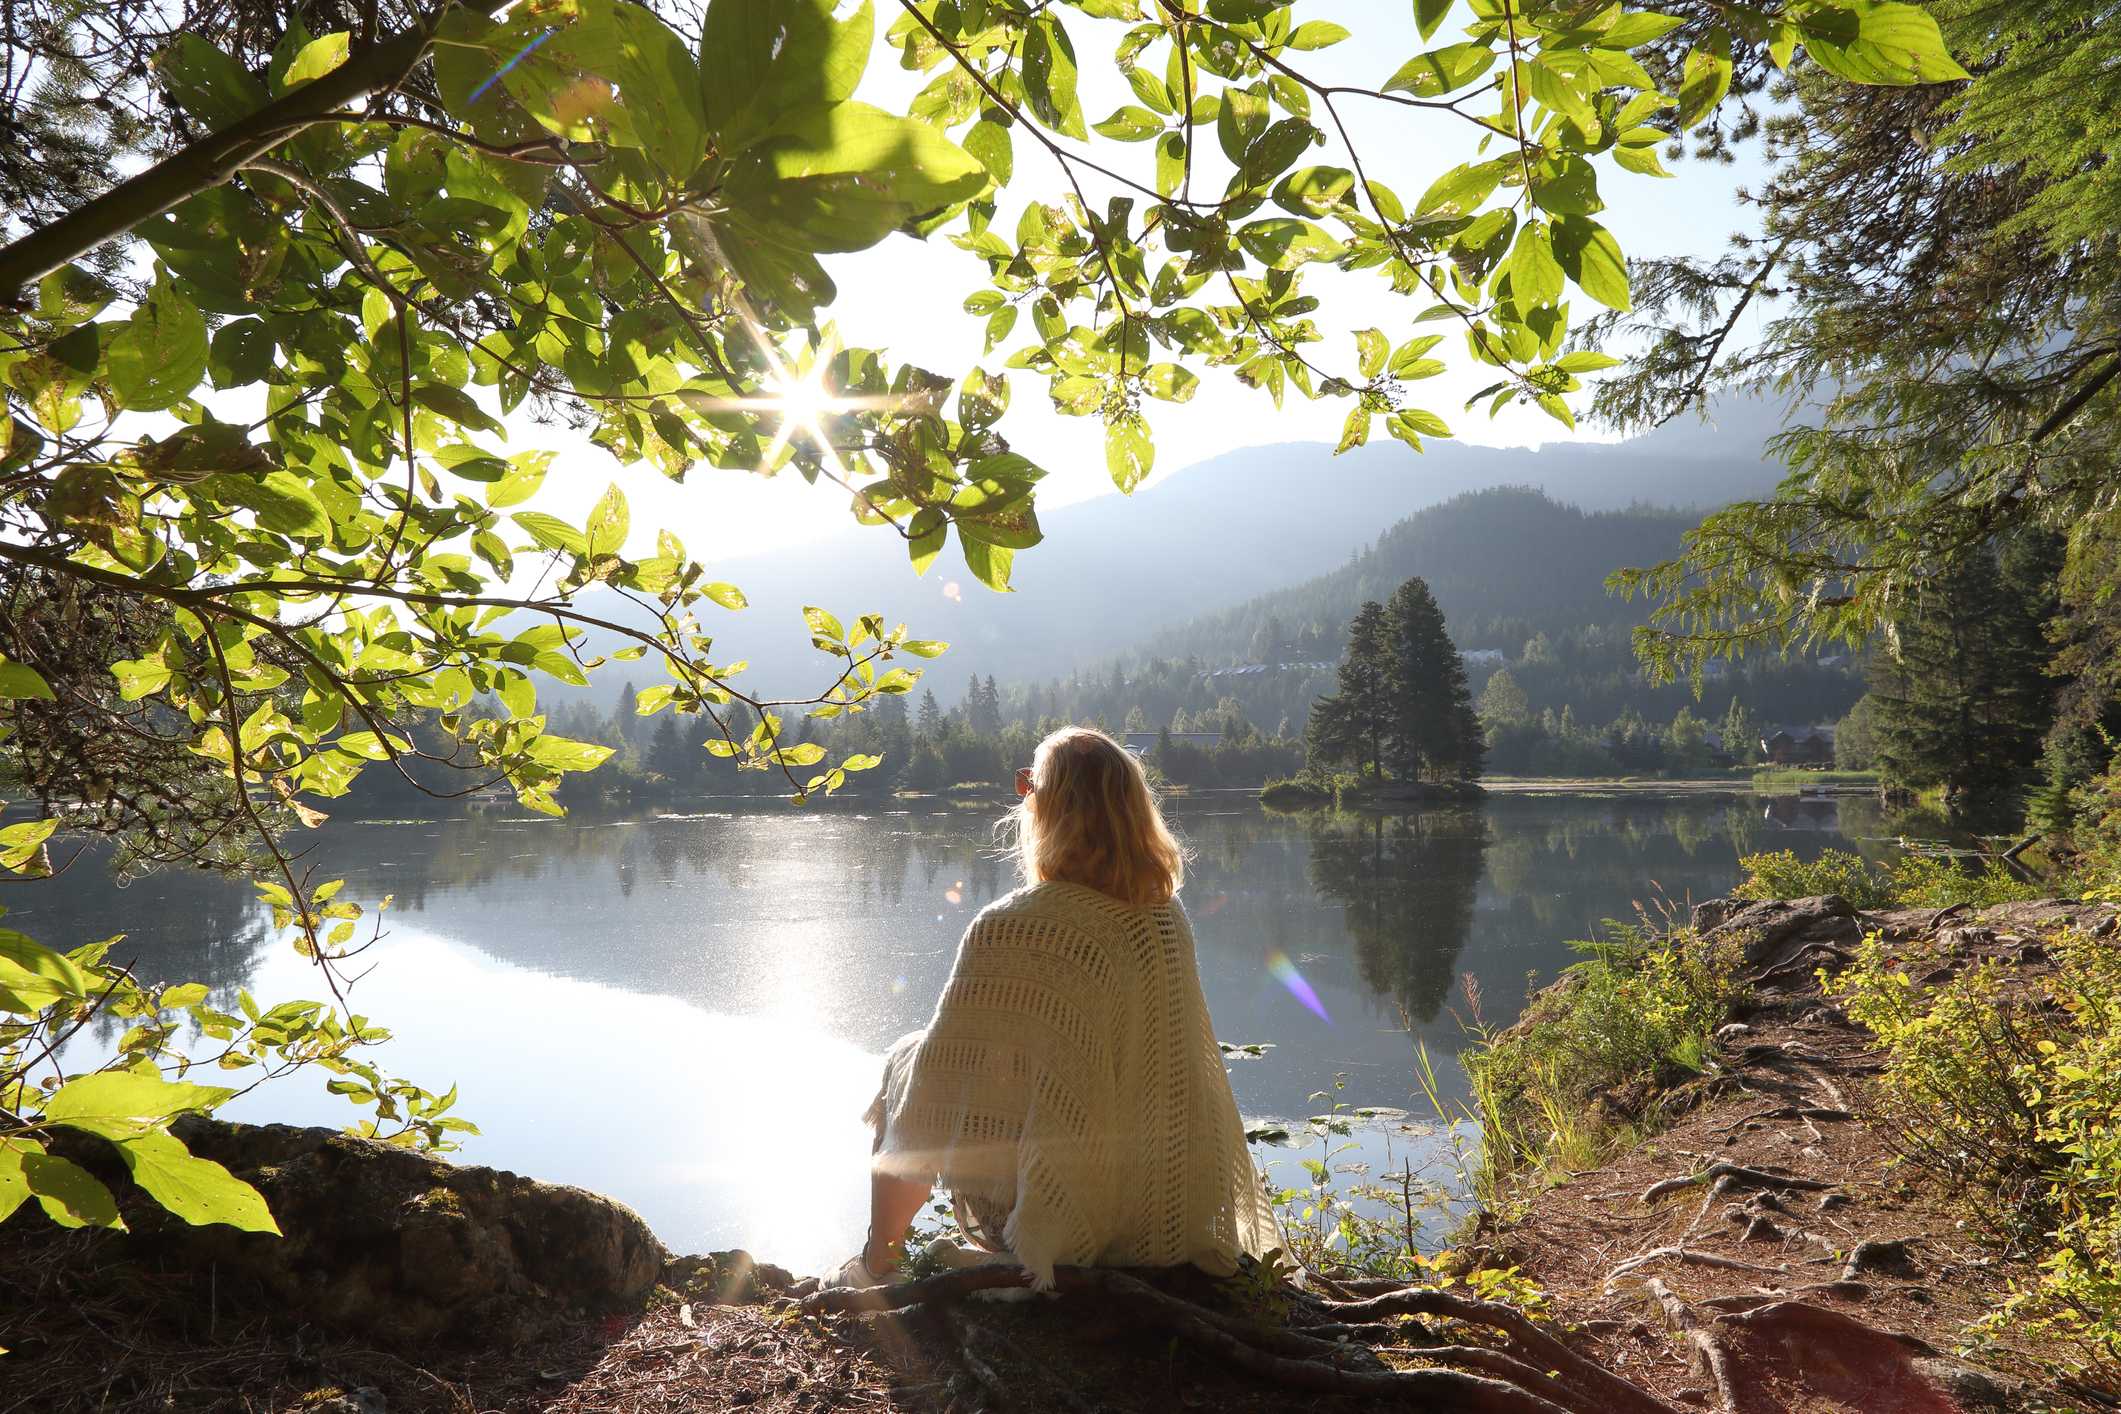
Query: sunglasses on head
pixel 1024 784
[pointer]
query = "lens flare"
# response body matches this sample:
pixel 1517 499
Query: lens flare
pixel 954 594
pixel 514 59
pixel 1282 970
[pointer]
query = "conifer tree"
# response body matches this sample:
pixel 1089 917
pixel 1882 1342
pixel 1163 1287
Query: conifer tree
pixel 1351 726
pixel 1965 701
pixel 1434 731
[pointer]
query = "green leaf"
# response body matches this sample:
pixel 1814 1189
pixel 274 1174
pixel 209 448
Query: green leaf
pixel 659 104
pixel 14 1185
pixel 67 1194
pixel 1463 189
pixel 845 177
pixel 1441 71
pixel 456 405
pixel 608 524
pixel 558 753
pixel 197 1190
pixel 1355 431
pixel 1894 44
pixel 1315 191
pixel 1705 80
pixel 116 1103
pixel 1317 34
pixel 1637 28
pixel 525 475
pixel 1170 382
pixel 1129 452
pixel 1535 278
pixel 1170 162
pixel 1429 16
pixel 726 595
pixel 823 625
pixel 282 501
pixel 1371 350
pixel 552 533
pixel 1130 123
pixel 1050 77
pixel 207 83
pixel 159 355
pixel 761 60
pixel 925 647
pixel 803 753
pixel 1590 256
pixel 317 58
pixel 36 973
pixel 1585 361
pixel 22 849
pixel 241 352
pixel 988 563
pixel 1285 242
pixel 19 681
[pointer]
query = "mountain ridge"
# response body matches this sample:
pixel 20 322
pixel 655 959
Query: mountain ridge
pixel 1115 572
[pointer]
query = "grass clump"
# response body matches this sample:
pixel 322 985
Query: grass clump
pixel 1576 1078
pixel 2004 1086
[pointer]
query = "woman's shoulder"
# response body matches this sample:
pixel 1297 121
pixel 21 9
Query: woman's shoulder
pixel 1076 905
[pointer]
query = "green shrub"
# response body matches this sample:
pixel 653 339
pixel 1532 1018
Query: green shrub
pixel 1781 874
pixel 1927 881
pixel 1637 1015
pixel 1918 881
pixel 2003 1086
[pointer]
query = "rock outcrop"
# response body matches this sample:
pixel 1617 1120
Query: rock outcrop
pixel 405 1247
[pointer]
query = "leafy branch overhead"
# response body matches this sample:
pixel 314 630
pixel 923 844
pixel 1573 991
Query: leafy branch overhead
pixel 258 508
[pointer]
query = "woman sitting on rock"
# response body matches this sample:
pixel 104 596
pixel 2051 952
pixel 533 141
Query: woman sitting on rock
pixel 1069 1092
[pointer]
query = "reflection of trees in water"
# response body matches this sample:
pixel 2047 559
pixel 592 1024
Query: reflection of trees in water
pixel 185 925
pixel 1406 886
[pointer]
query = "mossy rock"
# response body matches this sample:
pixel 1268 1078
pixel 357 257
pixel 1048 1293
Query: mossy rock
pixel 400 1246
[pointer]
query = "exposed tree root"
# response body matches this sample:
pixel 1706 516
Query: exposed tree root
pixel 1709 1355
pixel 1692 1258
pixel 1739 1176
pixel 1534 1373
pixel 1614 1392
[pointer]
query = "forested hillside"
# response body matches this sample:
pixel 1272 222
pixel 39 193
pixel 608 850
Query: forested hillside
pixel 1504 564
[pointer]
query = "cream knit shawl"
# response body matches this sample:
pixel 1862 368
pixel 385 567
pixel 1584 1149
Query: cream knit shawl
pixel 1071 1079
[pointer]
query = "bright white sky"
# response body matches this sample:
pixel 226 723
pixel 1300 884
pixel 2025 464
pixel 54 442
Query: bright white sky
pixel 905 296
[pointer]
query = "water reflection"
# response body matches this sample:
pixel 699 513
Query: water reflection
pixel 686 1011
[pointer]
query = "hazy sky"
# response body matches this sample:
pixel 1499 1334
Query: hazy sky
pixel 905 296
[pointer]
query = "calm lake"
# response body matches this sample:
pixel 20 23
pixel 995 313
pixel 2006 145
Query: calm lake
pixel 687 1012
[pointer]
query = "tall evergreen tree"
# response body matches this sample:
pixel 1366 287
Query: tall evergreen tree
pixel 1434 731
pixel 928 722
pixel 1353 724
pixel 1965 701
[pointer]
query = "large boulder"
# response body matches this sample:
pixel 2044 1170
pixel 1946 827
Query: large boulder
pixel 405 1247
pixel 1765 929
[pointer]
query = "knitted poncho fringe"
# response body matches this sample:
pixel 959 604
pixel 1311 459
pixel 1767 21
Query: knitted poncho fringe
pixel 1071 1079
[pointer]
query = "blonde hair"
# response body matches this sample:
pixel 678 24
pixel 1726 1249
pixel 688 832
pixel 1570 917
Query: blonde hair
pixel 1092 819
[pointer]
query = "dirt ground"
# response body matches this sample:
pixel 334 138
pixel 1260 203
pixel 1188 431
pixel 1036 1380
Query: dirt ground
pixel 1761 1255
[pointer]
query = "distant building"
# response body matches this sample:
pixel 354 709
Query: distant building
pixel 1482 657
pixel 1799 746
pixel 1142 743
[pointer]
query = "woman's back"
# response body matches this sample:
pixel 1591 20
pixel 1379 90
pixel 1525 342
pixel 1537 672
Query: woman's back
pixel 1071 1081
